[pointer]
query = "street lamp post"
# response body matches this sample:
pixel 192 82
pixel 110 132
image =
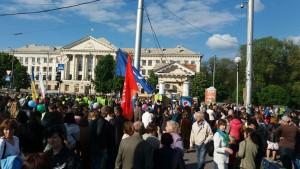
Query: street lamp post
pixel 237 60
pixel 12 68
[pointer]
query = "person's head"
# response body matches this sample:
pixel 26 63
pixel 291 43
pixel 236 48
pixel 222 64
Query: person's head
pixel 55 137
pixel 8 127
pixel 285 120
pixel 36 161
pixel 166 139
pixel 138 126
pixel 69 118
pixel 274 120
pixel 199 116
pixel 118 111
pixel 152 129
pixel 222 124
pixel 128 128
pixel 172 127
pixel 248 132
pixel 252 123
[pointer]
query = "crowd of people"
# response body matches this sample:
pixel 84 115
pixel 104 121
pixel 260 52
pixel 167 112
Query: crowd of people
pixel 76 132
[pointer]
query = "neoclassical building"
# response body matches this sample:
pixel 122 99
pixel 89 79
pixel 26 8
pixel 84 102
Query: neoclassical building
pixel 76 62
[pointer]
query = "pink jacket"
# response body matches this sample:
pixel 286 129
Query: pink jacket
pixel 235 128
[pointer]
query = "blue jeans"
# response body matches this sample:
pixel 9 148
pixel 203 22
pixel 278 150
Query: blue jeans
pixel 201 153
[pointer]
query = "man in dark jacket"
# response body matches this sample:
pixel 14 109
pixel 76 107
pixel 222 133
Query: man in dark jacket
pixel 99 142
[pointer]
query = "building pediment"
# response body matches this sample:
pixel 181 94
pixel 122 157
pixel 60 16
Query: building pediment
pixel 90 43
pixel 173 69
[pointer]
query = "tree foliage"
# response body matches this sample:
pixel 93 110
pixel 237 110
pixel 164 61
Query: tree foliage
pixel 275 62
pixel 20 79
pixel 152 79
pixel 198 85
pixel 105 79
pixel 273 95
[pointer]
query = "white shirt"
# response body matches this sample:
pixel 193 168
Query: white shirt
pixel 10 149
pixel 147 118
pixel 211 114
pixel 220 156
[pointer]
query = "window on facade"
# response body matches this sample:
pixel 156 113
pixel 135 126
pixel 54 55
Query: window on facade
pixel 33 60
pixel 76 88
pixel 45 60
pixel 186 62
pixel 50 69
pixel 143 62
pixel 163 61
pixel 38 60
pixel 79 77
pixel 157 61
pixel 26 60
pixel 51 60
pixel 44 77
pixel 37 68
pixel 44 69
pixel 89 63
pixel 89 77
pixel 21 60
pixel 192 62
pixel 79 63
pixel 149 62
pixel 66 88
pixel 49 87
pixel 49 77
pixel 143 71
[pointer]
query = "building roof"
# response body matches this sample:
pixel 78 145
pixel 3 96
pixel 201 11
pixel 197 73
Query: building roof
pixel 161 68
pixel 102 41
pixel 36 48
pixel 177 50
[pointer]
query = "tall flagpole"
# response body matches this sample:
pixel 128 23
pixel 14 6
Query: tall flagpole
pixel 138 34
pixel 249 68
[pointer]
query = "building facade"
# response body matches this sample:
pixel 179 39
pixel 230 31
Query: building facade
pixel 79 59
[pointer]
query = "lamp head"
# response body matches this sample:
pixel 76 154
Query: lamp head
pixel 237 60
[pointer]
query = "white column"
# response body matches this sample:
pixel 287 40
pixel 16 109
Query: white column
pixel 74 67
pixel 93 67
pixel 161 87
pixel 185 88
pixel 84 67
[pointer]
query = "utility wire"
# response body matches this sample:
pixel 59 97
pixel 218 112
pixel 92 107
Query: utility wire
pixel 153 32
pixel 49 10
pixel 193 26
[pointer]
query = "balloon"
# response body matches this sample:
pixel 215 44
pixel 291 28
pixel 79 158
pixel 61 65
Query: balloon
pixel 40 108
pixel 31 104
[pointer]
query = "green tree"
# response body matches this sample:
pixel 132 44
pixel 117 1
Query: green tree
pixel 198 85
pixel 152 79
pixel 225 77
pixel 273 95
pixel 295 95
pixel 21 79
pixel 105 74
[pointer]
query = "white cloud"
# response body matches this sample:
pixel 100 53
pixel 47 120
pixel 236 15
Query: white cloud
pixel 222 42
pixel 121 15
pixel 294 39
pixel 258 6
